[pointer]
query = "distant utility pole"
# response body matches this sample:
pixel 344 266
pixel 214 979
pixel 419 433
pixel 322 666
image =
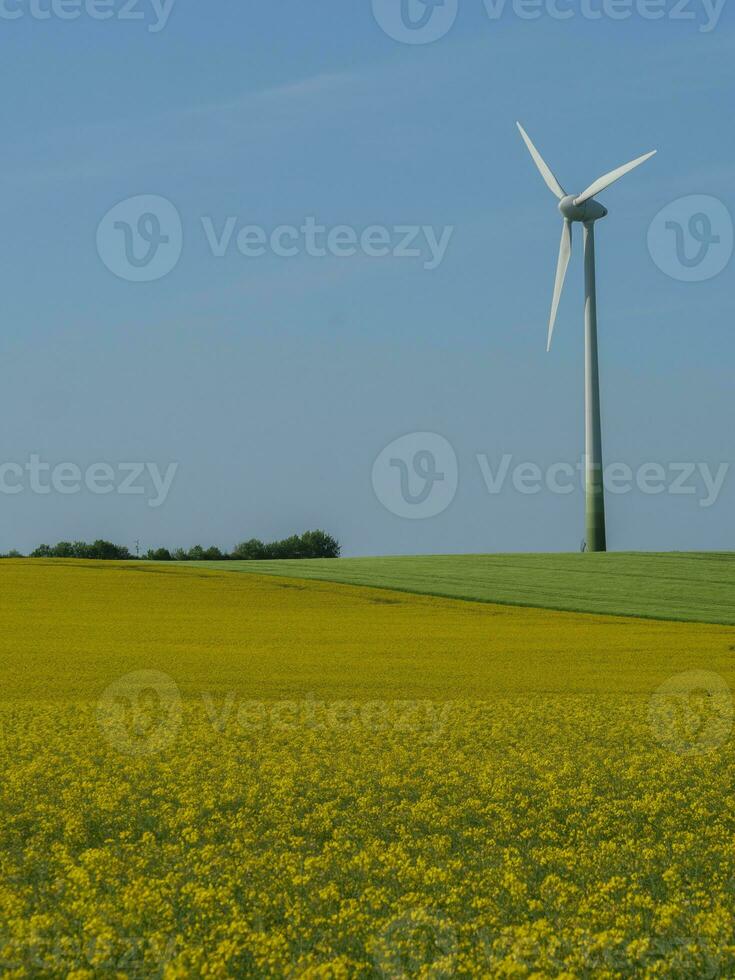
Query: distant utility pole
pixel 137 548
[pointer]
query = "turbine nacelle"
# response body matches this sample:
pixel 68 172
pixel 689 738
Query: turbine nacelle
pixel 590 210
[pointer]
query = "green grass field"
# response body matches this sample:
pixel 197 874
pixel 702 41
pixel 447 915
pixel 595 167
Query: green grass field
pixel 695 587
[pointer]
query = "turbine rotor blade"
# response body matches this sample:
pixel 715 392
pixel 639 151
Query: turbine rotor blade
pixel 551 182
pixel 565 250
pixel 602 182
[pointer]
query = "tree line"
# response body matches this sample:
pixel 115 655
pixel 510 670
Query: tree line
pixel 311 544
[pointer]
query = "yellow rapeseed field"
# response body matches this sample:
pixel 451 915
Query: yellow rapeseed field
pixel 217 775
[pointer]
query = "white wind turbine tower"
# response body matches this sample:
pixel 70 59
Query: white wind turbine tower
pixel 585 209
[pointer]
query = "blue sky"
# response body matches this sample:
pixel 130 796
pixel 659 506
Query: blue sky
pixel 274 383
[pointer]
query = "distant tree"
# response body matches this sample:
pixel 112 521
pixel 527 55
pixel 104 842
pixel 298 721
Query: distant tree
pixel 12 554
pixel 312 544
pixel 319 544
pixel 288 548
pixel 252 550
pixel 106 551
pixel 160 554
pixel 213 554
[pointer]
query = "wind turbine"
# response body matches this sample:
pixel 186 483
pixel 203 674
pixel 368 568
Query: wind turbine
pixel 585 209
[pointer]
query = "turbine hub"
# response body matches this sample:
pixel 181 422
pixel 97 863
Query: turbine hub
pixel 591 210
